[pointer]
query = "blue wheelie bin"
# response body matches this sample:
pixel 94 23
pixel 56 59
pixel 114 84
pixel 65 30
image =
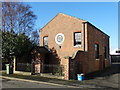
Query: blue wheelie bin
pixel 80 77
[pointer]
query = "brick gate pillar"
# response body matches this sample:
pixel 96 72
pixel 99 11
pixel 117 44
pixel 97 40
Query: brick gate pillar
pixel 66 69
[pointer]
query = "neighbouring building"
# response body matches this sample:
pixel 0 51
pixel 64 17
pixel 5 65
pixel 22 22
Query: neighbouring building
pixel 115 56
pixel 76 44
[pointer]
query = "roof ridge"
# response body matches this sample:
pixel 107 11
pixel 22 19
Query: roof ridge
pixel 72 16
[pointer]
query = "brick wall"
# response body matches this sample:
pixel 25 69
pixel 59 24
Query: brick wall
pixel 90 35
pixel 97 37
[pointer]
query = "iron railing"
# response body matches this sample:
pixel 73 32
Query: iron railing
pixel 46 68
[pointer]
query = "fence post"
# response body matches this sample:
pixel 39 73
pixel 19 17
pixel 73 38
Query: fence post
pixel 14 64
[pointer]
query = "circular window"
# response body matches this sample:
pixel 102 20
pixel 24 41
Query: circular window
pixel 59 38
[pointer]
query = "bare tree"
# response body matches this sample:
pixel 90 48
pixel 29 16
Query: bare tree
pixel 35 37
pixel 18 17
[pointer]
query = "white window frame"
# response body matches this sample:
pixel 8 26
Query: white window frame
pixel 77 38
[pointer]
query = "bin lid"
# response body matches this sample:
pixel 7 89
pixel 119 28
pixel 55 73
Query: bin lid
pixel 81 74
pixel 7 64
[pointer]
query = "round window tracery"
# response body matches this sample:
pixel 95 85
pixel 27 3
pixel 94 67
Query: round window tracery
pixel 59 38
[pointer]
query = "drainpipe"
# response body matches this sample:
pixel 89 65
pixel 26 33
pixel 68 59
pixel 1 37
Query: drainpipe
pixel 84 34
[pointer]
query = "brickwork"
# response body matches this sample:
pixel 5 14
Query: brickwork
pixel 85 55
pixel 66 69
pixel 96 36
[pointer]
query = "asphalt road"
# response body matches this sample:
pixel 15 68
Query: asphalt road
pixel 7 83
pixel 107 78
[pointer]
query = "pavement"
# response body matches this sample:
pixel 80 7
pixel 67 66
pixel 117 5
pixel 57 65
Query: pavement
pixel 10 82
pixel 21 83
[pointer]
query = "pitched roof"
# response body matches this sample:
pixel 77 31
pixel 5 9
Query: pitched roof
pixel 84 21
pixel 65 16
pixel 72 17
pixel 40 49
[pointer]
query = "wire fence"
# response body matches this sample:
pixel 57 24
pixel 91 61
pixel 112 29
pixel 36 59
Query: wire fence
pixel 53 69
pixel 23 67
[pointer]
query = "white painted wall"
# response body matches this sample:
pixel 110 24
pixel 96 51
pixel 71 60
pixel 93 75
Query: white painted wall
pixel 114 52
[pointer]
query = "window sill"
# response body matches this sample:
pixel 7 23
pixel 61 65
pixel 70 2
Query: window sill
pixel 97 59
pixel 77 46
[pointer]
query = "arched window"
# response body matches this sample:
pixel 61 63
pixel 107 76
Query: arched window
pixel 45 41
pixel 96 51
pixel 105 52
